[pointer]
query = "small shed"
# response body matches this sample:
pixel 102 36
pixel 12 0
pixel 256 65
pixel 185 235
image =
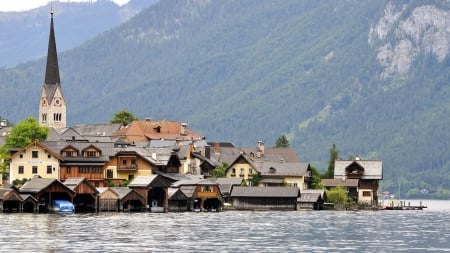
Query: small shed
pixel 265 198
pixel 119 199
pixel 154 189
pixel 178 201
pixel 45 190
pixel 311 200
pixel 10 200
pixel 86 194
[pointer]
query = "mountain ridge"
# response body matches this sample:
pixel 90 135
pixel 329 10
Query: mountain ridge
pixel 253 70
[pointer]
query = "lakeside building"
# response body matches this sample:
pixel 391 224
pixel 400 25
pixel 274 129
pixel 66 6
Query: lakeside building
pixel 360 178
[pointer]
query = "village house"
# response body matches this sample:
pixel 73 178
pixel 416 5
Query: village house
pixel 35 159
pixel 284 174
pixel 361 178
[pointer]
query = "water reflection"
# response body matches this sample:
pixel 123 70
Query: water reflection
pixel 232 231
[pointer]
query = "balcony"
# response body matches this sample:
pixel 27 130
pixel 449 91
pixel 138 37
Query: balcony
pixel 131 167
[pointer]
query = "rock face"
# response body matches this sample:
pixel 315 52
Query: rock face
pixel 424 30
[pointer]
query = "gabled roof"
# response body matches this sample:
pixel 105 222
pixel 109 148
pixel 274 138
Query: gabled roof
pixel 9 194
pixel 340 182
pixel 38 184
pixel 40 145
pixel 311 196
pixel 176 194
pixel 226 184
pixel 74 182
pixel 283 169
pixel 373 169
pixel 268 192
pixel 273 154
pixel 146 130
pixel 142 181
pixel 244 158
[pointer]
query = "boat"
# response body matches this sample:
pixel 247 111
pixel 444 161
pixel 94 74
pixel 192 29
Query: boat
pixel 62 206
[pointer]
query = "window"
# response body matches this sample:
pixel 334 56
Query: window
pixel 207 188
pixel 242 172
pixel 34 154
pixel 21 155
pixel 366 194
pixel 34 169
pixel 109 174
pixel 49 156
pixel 130 177
pixel 124 162
pixel 20 169
pixel 49 169
pixel 90 154
pixel 250 171
pixel 233 172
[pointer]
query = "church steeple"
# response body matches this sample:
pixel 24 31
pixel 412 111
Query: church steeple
pixel 52 106
pixel 52 69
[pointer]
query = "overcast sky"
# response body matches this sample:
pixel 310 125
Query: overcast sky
pixel 23 5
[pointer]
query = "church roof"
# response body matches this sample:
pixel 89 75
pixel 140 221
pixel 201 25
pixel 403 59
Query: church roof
pixel 52 80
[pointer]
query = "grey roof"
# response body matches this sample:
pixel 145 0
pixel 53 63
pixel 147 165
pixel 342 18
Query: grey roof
pixel 4 192
pixel 226 183
pixel 274 154
pixel 98 130
pixel 373 169
pixel 193 181
pixel 175 194
pixel 142 181
pixel 340 182
pixel 73 182
pixel 121 191
pixel 282 168
pixel 269 192
pixel 37 184
pixel 311 196
pixel 188 190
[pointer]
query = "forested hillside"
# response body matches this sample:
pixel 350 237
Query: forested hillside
pixel 371 77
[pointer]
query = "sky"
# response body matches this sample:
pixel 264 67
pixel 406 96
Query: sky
pixel 24 5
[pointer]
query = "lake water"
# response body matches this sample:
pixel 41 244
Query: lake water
pixel 232 231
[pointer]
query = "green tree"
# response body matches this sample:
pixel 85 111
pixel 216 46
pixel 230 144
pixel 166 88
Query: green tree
pixel 334 153
pixel 255 179
pixel 282 142
pixel 25 132
pixel 316 179
pixel 124 117
pixel 220 171
pixel 337 195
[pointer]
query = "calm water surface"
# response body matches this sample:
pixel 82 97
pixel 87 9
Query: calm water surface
pixel 231 231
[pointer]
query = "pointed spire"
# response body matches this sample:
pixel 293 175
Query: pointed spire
pixel 52 69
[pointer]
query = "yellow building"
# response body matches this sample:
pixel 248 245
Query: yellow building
pixel 34 160
pixel 242 167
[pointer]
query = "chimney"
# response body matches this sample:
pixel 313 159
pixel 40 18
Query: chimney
pixel 216 147
pixel 208 151
pixel 260 149
pixel 183 129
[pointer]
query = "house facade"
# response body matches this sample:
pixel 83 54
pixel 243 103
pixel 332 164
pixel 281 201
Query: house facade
pixel 35 159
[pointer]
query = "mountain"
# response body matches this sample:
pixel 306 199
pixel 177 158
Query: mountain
pixel 371 77
pixel 24 35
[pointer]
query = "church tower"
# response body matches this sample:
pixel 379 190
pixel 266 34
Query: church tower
pixel 52 106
